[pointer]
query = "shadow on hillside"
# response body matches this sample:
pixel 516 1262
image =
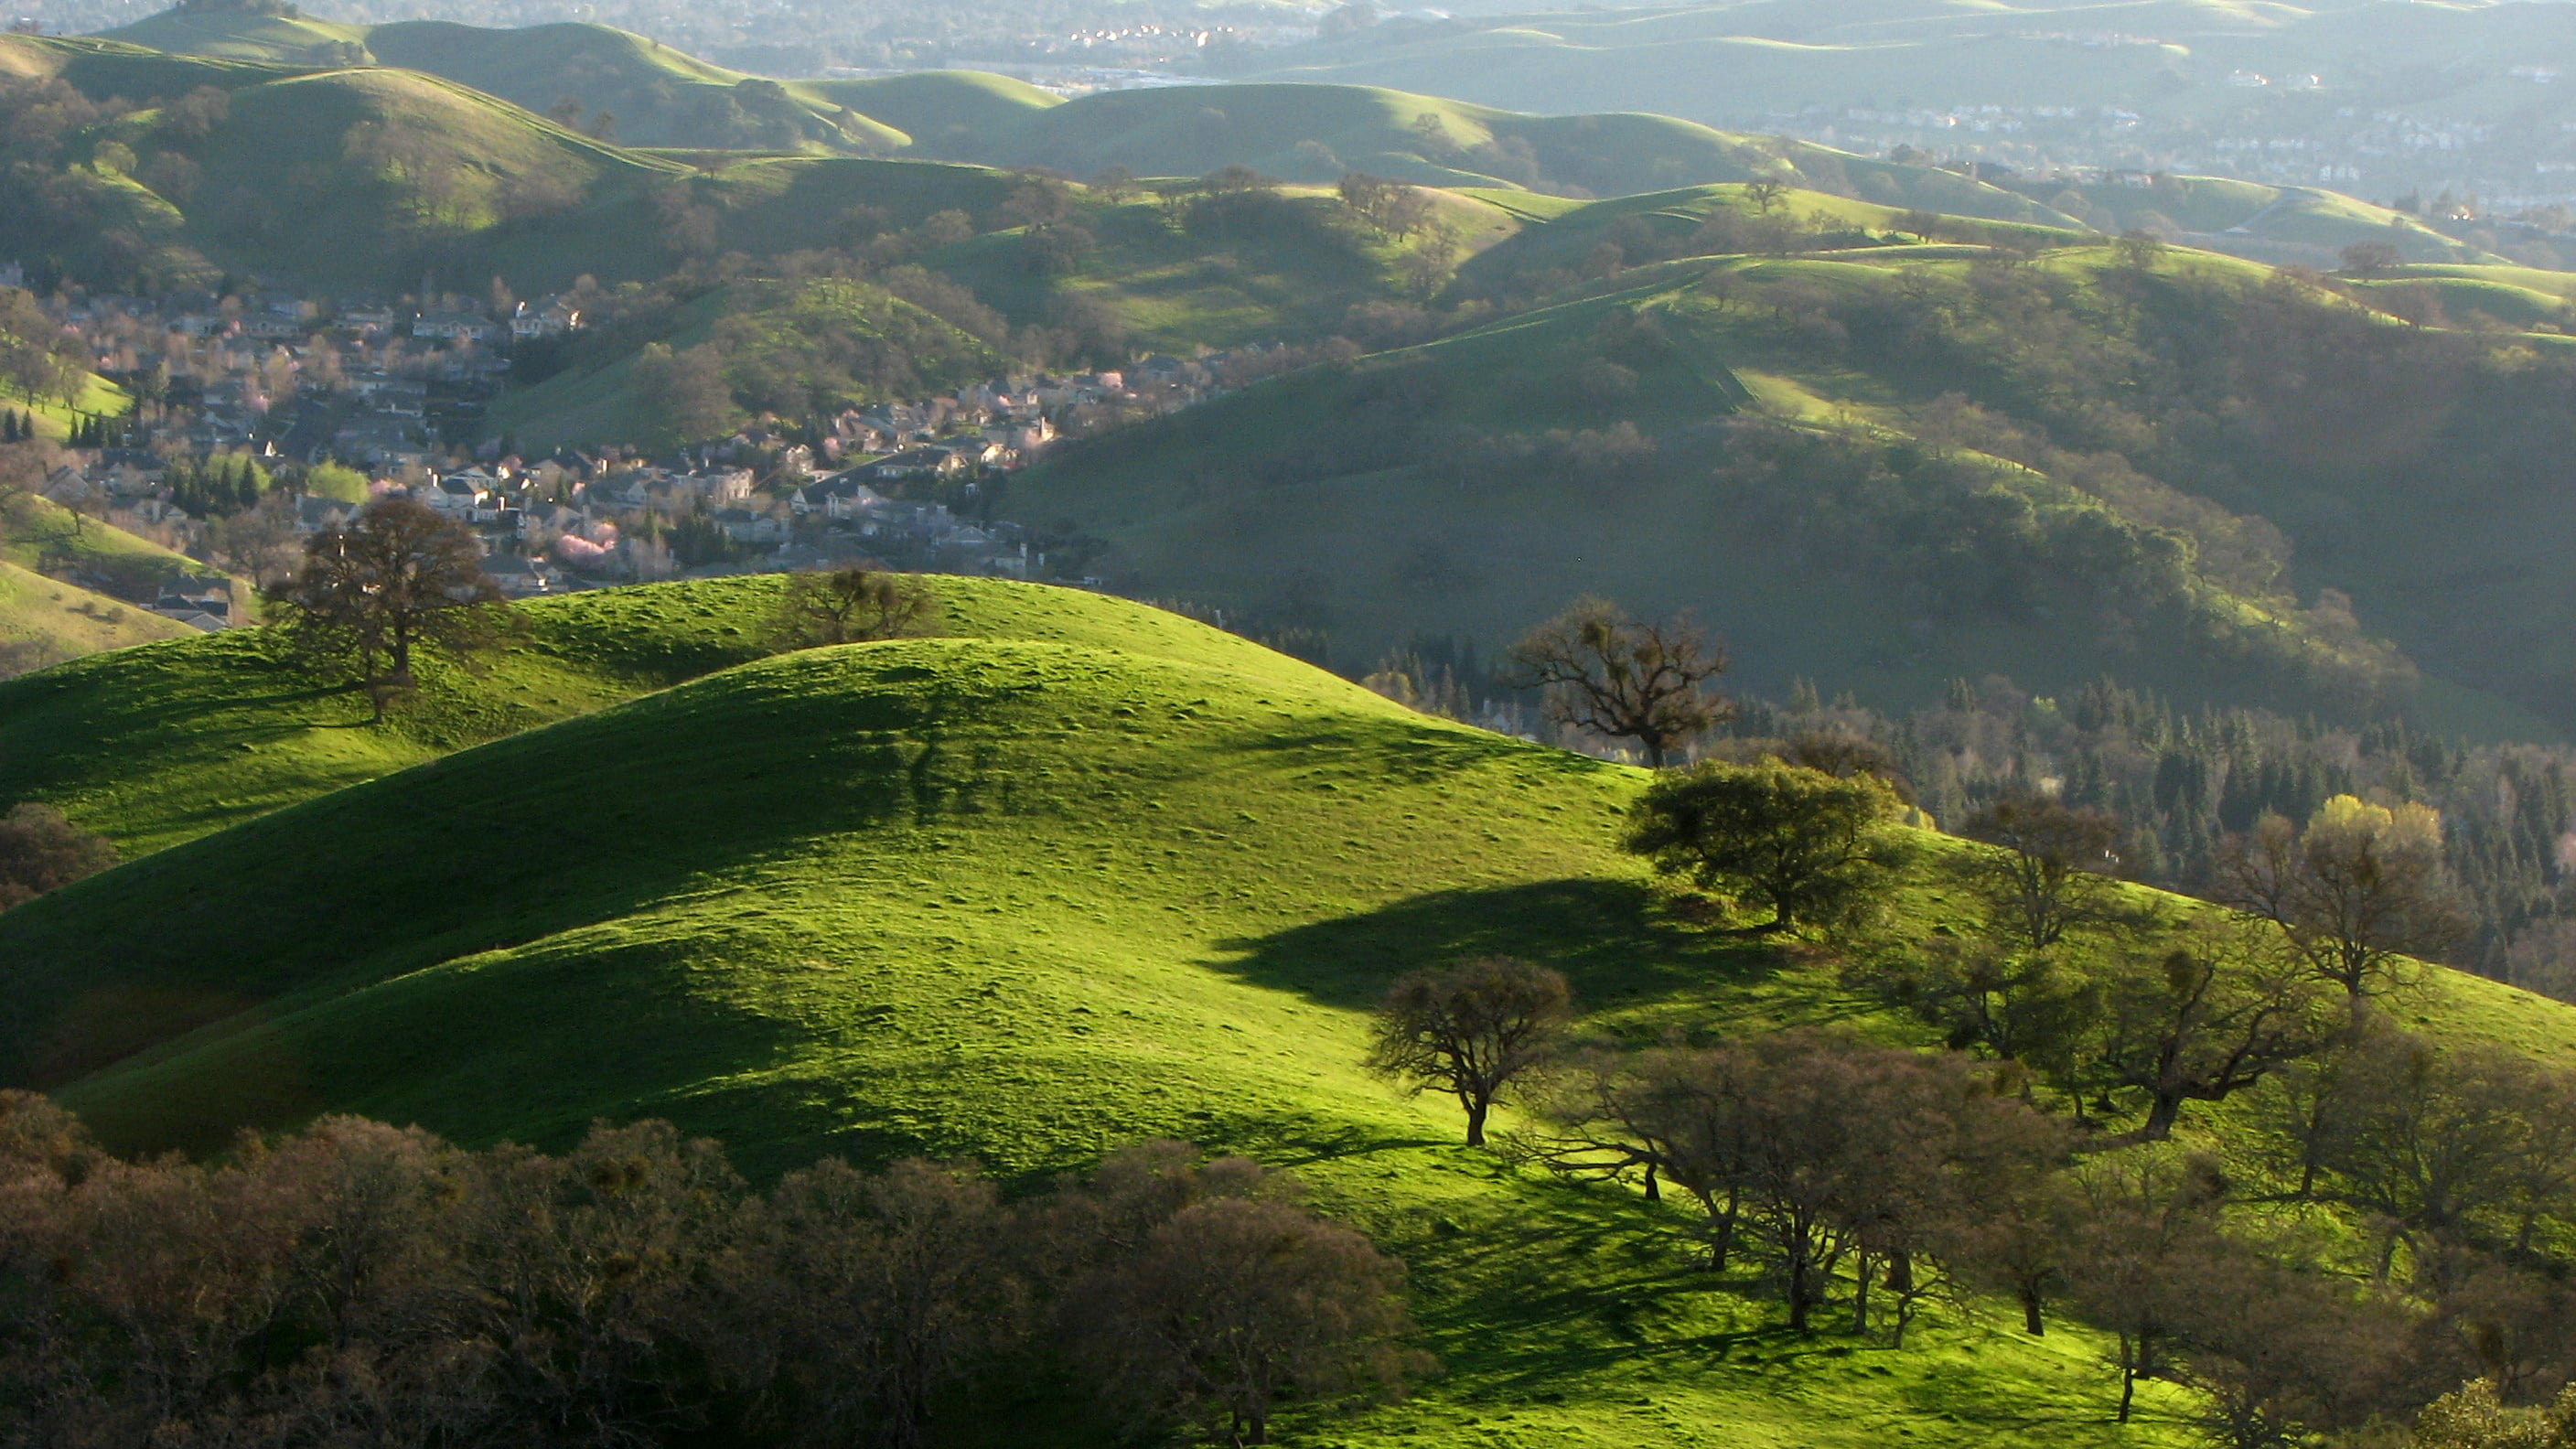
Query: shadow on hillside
pixel 1617 941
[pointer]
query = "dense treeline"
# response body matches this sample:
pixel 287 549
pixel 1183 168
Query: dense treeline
pixel 2181 782
pixel 2176 782
pixel 358 1283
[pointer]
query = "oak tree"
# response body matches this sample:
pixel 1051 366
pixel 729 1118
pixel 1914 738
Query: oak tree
pixel 853 605
pixel 393 583
pixel 1813 848
pixel 1625 679
pixel 1469 1030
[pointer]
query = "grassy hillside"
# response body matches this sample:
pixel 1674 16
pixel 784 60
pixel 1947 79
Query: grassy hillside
pixel 284 40
pixel 797 346
pixel 1372 503
pixel 657 95
pixel 1087 873
pixel 1023 900
pixel 43 620
pixel 46 538
pixel 329 177
pixel 2270 223
pixel 163 745
pixel 940 112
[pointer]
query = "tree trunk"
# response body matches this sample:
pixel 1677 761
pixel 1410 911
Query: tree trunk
pixel 2029 1294
pixel 1798 1290
pixel 1476 1108
pixel 1724 1246
pixel 1654 1189
pixel 1860 1293
pixel 2160 1117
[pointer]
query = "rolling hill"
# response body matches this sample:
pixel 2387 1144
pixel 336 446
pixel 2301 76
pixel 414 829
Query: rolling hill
pixel 1082 873
pixel 1464 488
pixel 45 621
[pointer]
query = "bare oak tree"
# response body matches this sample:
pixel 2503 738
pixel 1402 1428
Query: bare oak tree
pixel 41 851
pixel 2049 872
pixel 1469 1030
pixel 394 582
pixel 1234 1304
pixel 2356 891
pixel 1625 679
pixel 2206 1022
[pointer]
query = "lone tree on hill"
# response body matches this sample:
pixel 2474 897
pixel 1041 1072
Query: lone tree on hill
pixel 394 581
pixel 2357 890
pixel 1813 848
pixel 852 606
pixel 1625 679
pixel 2048 874
pixel 1469 1029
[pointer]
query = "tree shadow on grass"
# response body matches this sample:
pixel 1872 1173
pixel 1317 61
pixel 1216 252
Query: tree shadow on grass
pixel 1619 943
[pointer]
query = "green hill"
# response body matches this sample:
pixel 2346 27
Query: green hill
pixel 653 95
pixel 1085 873
pixel 797 347
pixel 657 95
pixel 44 620
pixel 300 40
pixel 1791 441
pixel 335 178
pixel 941 112
pixel 2282 225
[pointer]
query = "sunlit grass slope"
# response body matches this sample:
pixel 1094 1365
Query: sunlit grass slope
pixel 156 746
pixel 56 619
pixel 1082 873
pixel 1019 900
pixel 295 40
pixel 1389 553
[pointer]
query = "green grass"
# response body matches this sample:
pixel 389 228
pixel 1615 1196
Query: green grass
pixel 1083 873
pixel 162 745
pixel 1385 556
pixel 47 538
pixel 302 40
pixel 941 112
pixel 1020 898
pixel 57 619
pixel 598 403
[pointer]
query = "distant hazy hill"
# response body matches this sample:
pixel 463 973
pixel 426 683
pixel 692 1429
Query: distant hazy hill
pixel 1732 63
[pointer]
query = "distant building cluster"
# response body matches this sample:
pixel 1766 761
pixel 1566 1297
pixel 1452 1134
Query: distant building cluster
pixel 283 384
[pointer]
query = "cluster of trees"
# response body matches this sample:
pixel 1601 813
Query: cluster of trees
pixel 2034 1158
pixel 217 485
pixel 2181 783
pixel 359 1283
pixel 17 426
pixel 1960 535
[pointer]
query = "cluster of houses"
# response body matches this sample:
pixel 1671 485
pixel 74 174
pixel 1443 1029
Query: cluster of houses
pixel 874 483
pixel 231 371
